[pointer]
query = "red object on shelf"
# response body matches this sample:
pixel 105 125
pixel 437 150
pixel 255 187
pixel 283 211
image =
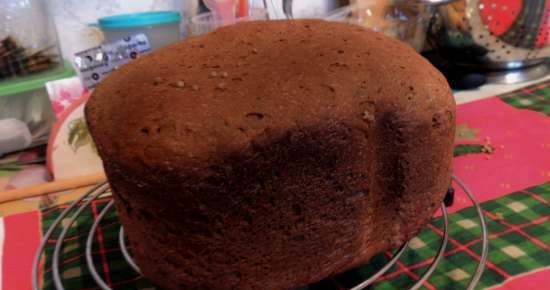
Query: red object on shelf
pixel 242 8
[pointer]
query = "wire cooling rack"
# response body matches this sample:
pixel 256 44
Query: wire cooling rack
pixel 86 199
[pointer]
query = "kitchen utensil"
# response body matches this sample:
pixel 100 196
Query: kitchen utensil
pixel 160 27
pixel 496 35
pixel 51 187
pixel 103 191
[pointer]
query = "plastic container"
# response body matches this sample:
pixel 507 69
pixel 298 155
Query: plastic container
pixel 28 39
pixel 25 101
pixel 161 27
pixel 207 22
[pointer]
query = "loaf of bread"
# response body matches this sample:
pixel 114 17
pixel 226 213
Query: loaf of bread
pixel 269 155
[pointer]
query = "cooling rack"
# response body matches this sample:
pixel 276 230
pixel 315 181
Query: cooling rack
pixel 79 205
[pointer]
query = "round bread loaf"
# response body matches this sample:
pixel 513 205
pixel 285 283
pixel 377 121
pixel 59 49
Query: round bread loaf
pixel 269 155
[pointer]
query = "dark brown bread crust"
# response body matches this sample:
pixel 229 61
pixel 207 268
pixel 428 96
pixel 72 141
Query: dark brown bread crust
pixel 293 150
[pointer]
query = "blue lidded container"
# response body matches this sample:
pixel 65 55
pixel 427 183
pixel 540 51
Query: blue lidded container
pixel 161 27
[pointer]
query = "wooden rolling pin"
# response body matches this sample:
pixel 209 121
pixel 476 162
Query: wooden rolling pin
pixel 51 187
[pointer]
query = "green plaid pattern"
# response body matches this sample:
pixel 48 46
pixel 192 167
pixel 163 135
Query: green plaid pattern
pixel 464 149
pixel 514 248
pixel 109 262
pixel 535 97
pixel 518 225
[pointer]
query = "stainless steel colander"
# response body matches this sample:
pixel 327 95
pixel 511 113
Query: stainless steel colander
pixel 495 34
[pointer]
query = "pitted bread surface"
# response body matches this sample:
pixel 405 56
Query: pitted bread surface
pixel 269 155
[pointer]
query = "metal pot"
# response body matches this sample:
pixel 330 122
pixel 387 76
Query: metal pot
pixel 495 34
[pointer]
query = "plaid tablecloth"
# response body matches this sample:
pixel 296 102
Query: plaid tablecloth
pixel 502 153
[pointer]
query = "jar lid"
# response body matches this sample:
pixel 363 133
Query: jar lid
pixel 35 81
pixel 139 19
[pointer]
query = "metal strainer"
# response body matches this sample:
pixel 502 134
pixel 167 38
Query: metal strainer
pixel 496 34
